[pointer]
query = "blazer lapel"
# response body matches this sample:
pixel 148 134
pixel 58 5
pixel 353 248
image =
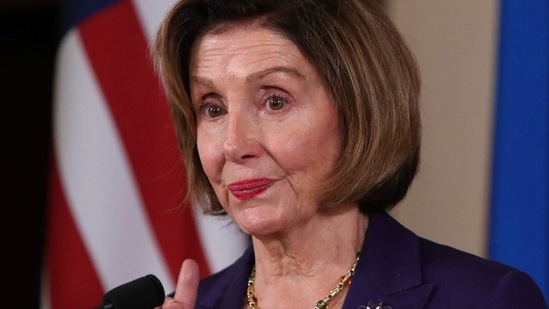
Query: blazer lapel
pixel 389 270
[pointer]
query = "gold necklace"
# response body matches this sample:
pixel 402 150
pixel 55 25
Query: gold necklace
pixel 344 281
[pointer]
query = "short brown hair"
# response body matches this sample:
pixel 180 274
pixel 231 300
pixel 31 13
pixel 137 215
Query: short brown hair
pixel 365 66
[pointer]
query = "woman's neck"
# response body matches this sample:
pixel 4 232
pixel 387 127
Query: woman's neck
pixel 309 258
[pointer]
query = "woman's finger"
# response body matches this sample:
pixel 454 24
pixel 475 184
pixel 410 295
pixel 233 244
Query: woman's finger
pixel 187 284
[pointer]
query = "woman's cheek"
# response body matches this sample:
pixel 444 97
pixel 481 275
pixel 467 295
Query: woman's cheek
pixel 211 155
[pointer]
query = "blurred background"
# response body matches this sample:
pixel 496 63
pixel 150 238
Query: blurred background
pixel 455 45
pixel 29 36
pixel 454 41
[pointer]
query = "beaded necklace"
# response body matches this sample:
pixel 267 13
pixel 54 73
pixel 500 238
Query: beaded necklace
pixel 344 281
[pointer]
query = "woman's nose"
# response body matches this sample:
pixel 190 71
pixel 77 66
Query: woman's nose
pixel 241 142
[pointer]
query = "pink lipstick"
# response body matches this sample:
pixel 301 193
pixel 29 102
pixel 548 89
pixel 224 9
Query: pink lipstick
pixel 249 188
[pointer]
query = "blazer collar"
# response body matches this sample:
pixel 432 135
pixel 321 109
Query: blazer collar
pixel 389 270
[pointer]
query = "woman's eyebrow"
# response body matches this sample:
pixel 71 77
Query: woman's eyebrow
pixel 278 69
pixel 200 80
pixel 254 76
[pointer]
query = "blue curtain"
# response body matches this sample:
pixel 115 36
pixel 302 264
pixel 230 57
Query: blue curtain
pixel 519 227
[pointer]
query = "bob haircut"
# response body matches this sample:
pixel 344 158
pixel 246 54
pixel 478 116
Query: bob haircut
pixel 364 64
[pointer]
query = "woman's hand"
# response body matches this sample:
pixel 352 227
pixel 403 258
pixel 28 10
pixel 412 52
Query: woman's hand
pixel 186 288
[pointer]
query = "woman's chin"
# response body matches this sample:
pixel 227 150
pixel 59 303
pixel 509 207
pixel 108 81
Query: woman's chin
pixel 258 224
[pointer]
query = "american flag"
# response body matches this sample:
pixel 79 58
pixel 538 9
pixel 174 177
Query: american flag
pixel 117 179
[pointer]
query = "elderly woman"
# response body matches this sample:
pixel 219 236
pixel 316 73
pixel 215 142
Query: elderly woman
pixel 299 119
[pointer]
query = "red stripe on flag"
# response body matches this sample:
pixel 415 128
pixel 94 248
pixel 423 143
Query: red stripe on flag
pixel 117 49
pixel 73 282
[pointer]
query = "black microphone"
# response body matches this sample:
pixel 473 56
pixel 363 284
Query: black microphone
pixel 142 293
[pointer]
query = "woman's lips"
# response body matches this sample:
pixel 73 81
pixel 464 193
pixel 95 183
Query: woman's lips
pixel 249 188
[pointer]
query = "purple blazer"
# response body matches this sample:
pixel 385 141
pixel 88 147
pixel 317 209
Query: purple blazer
pixel 400 270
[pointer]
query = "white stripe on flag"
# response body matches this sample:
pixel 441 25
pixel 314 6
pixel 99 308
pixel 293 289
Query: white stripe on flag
pixel 221 239
pixel 97 180
pixel 151 14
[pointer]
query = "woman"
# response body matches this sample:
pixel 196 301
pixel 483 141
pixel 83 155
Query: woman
pixel 299 119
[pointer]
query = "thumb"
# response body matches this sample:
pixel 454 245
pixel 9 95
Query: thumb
pixel 187 284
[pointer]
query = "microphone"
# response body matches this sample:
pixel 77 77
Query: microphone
pixel 142 293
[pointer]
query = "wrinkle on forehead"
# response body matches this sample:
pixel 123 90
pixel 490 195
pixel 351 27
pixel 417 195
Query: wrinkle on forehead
pixel 228 50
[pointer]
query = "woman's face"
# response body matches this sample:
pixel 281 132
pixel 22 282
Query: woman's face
pixel 267 129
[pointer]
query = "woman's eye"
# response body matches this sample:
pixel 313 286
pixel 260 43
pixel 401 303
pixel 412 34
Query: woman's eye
pixel 276 102
pixel 213 111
